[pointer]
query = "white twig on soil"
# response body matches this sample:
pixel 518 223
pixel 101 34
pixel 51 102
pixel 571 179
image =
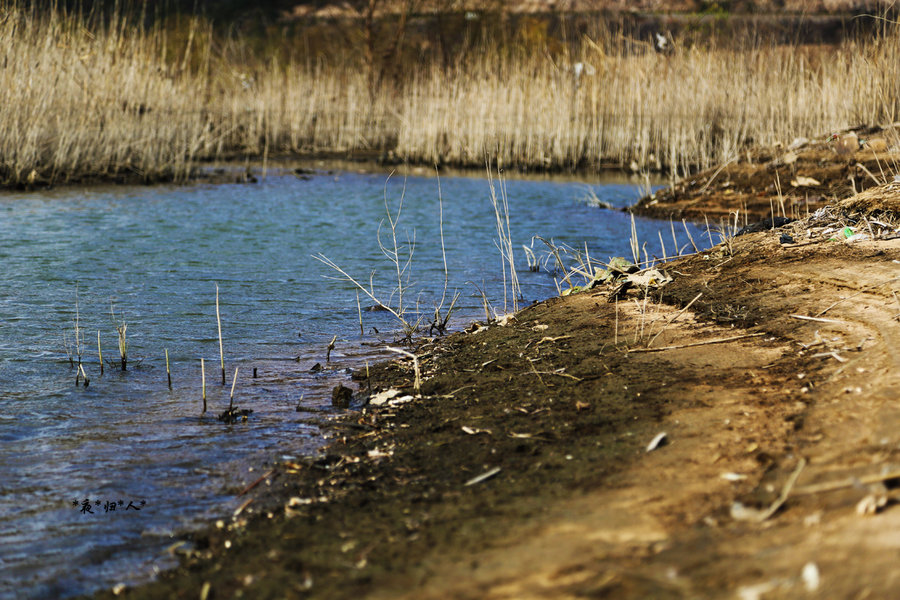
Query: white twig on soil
pixel 703 343
pixel 418 381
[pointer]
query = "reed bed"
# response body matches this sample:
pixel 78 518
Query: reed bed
pixel 87 98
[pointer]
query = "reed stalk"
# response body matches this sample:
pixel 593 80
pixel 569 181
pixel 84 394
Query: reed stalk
pixel 203 383
pixel 231 397
pixel 79 335
pixel 168 372
pixel 633 242
pixel 221 347
pixel 690 237
pixel 99 352
pixel 359 314
pixel 329 349
pixel 84 376
pixel 504 243
pixel 65 339
pixel 121 335
pixel 123 345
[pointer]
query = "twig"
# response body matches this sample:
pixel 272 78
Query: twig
pixel 553 339
pixel 830 486
pixel 749 514
pixel 484 476
pixel 690 237
pixel 859 165
pixel 833 355
pixel 817 319
pixel 703 343
pixel 673 319
pixel 266 475
pixel 558 373
pixel 714 175
pixel 418 382
pixel 535 371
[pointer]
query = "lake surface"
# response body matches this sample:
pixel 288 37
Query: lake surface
pixel 152 256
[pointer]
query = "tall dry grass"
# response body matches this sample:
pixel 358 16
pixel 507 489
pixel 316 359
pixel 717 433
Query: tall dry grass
pixel 695 107
pixel 82 99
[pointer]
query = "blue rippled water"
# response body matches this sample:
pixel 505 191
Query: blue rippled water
pixel 153 256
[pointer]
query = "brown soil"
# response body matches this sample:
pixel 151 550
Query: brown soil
pixel 808 173
pixel 558 407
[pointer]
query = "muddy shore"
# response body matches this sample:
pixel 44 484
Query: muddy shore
pixel 525 466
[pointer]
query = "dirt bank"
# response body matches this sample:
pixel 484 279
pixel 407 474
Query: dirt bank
pixel 793 179
pixel 523 470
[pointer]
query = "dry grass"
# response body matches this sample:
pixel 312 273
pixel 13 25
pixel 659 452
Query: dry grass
pixel 78 102
pixel 84 99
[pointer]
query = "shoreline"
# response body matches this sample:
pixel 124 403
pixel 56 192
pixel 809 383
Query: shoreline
pixel 524 470
pixel 254 168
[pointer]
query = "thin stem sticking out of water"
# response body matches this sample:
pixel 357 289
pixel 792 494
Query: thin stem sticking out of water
pixel 203 383
pixel 484 300
pixel 633 242
pixel 121 331
pixel 400 256
pixel 168 372
pixel 68 350
pixel 221 348
pixel 554 250
pixel 329 349
pixel 231 400
pixel 690 237
pixel 674 239
pixel 99 352
pixel 504 244
pixel 440 321
pixel 359 314
pixel 79 335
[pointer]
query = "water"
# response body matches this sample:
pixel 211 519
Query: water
pixel 151 257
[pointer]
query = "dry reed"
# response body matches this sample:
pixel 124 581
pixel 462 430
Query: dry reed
pixel 87 99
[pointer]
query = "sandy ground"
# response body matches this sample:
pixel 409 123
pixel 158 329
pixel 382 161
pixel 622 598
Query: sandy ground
pixel 522 469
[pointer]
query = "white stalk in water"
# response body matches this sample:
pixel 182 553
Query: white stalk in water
pixel 504 243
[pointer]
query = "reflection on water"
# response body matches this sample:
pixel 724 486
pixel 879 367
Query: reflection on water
pixel 154 257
